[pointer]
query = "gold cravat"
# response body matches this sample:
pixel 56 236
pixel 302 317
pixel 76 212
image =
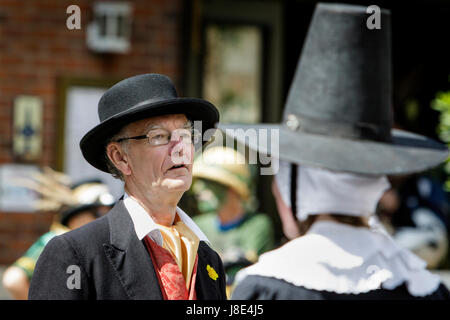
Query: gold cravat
pixel 182 243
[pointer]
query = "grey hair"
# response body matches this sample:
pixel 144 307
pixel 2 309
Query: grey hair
pixel 111 167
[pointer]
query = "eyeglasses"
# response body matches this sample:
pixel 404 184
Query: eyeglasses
pixel 159 137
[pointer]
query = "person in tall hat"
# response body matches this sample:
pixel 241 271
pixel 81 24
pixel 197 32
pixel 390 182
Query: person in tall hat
pixel 145 247
pixel 336 147
pixel 222 187
pixel 75 205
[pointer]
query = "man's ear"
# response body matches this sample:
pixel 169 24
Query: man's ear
pixel 118 157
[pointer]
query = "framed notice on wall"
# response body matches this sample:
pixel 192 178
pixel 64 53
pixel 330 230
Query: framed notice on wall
pixel 78 114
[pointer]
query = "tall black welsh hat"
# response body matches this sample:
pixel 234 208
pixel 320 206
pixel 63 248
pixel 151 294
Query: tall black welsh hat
pixel 338 114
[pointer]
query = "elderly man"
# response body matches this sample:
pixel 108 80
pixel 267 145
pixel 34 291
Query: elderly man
pixel 145 247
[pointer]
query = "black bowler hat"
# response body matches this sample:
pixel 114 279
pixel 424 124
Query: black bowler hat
pixel 338 114
pixel 137 98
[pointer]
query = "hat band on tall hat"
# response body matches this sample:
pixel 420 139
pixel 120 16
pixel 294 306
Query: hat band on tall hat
pixel 350 130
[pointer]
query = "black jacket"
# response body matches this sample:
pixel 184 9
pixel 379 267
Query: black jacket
pixel 111 263
pixel 256 287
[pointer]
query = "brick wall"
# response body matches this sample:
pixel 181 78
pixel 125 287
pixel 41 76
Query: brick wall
pixel 18 231
pixel 36 49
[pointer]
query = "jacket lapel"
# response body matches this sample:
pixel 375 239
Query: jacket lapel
pixel 206 287
pixel 129 257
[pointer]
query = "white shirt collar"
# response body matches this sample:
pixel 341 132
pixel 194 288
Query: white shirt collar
pixel 345 259
pixel 144 224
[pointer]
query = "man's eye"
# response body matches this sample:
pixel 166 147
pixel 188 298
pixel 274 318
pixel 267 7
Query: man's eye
pixel 186 135
pixel 159 138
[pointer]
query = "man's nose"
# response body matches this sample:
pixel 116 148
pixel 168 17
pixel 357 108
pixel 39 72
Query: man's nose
pixel 175 137
pixel 176 145
pixel 175 140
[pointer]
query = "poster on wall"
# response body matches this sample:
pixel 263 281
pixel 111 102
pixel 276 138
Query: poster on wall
pixel 28 117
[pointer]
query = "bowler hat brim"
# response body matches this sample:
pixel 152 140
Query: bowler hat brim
pixel 407 153
pixel 93 143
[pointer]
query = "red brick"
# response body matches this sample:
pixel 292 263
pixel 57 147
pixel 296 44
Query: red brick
pixel 36 49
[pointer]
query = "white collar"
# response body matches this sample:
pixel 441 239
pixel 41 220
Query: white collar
pixel 144 224
pixel 345 259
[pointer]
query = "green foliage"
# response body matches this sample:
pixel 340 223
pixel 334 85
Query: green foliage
pixel 442 104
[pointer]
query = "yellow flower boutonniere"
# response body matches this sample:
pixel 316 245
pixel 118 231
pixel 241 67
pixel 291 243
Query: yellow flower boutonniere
pixel 212 273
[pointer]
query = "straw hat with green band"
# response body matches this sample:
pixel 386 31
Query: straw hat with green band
pixel 225 166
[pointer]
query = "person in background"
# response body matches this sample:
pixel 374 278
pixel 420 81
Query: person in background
pixel 76 205
pixel 222 188
pixel 415 212
pixel 337 147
